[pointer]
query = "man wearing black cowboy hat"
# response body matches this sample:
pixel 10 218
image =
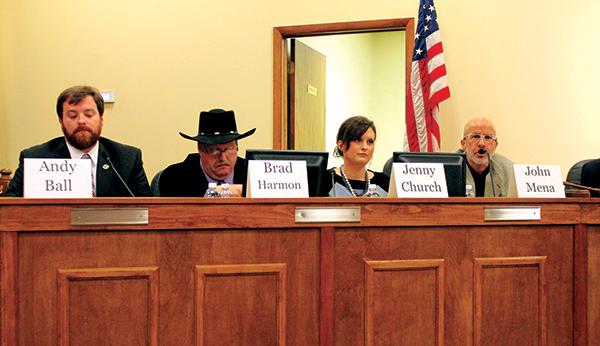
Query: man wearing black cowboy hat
pixel 216 161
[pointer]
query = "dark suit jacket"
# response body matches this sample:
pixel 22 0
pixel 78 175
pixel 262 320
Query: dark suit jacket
pixel 590 175
pixel 127 161
pixel 186 179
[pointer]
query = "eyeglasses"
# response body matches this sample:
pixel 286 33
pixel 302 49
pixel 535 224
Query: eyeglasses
pixel 476 137
pixel 219 151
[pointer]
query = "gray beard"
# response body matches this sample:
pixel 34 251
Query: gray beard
pixel 480 161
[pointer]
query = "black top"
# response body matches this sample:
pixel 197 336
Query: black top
pixel 479 179
pixel 186 179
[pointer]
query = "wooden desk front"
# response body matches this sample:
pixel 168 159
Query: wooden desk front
pixel 243 272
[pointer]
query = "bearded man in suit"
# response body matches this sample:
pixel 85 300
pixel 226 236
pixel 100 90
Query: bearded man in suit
pixel 80 112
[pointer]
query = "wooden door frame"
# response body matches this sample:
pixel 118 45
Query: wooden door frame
pixel 281 33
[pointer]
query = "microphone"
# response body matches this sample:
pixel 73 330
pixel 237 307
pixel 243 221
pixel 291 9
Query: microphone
pixel 582 187
pixel 107 158
pixel 333 181
pixel 482 151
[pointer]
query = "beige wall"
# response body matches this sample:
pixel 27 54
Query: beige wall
pixel 529 66
pixel 4 37
pixel 391 77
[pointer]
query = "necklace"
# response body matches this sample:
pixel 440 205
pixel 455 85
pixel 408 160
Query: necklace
pixel 349 187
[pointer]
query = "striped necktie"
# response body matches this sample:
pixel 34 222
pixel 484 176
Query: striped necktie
pixel 87 156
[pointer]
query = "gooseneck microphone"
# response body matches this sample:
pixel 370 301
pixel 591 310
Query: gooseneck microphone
pixel 333 181
pixel 107 158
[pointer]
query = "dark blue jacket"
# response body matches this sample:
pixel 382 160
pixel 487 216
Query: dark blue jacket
pixel 127 161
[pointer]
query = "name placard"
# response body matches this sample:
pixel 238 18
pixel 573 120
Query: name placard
pixel 418 180
pixel 276 179
pixel 57 178
pixel 543 181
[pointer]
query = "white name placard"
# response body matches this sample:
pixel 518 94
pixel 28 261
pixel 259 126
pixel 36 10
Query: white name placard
pixel 276 179
pixel 539 181
pixel 418 180
pixel 57 178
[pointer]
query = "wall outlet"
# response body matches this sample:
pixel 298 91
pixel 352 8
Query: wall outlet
pixel 108 96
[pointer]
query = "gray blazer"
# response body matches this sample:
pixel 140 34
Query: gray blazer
pixel 504 178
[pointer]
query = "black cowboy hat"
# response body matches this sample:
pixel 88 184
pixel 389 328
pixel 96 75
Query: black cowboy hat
pixel 217 126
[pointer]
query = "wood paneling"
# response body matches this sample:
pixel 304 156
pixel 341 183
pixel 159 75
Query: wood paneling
pixel 401 244
pixel 8 288
pixel 510 301
pixel 593 284
pixel 327 289
pixel 556 244
pixel 404 302
pixel 197 213
pixel 333 283
pixel 458 246
pixel 580 286
pixel 176 254
pixel 114 306
pixel 241 304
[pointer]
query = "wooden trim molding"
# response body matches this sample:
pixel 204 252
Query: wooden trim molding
pixel 8 289
pixel 372 267
pixel 281 33
pixel 481 264
pixel 327 313
pixel 205 271
pixel 580 301
pixel 66 276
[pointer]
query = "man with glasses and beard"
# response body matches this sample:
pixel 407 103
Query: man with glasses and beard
pixel 489 174
pixel 216 161
pixel 80 112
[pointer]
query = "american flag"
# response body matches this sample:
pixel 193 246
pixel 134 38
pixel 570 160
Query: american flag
pixel 428 83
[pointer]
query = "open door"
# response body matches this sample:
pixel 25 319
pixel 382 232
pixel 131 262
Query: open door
pixel 306 78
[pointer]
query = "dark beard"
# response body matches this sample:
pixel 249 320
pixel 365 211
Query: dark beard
pixel 82 139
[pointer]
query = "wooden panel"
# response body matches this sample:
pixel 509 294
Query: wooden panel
pixel 8 291
pixel 590 211
pixel 326 300
pixel 308 114
pixel 458 247
pixel 404 302
pixel 327 290
pixel 199 213
pixel 176 253
pixel 556 244
pixel 580 288
pixel 114 306
pixel 279 83
pixel 241 304
pixel 353 245
pixel 510 301
pixel 593 284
